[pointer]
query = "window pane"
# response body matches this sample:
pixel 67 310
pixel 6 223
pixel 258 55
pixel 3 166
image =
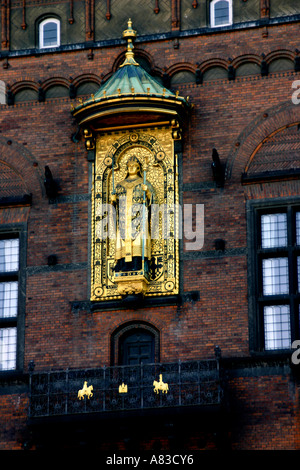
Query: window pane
pixel 273 230
pixel 8 299
pixel 8 348
pixel 9 255
pixel 277 327
pixel 221 13
pixel 275 276
pixel 50 34
pixel 298 227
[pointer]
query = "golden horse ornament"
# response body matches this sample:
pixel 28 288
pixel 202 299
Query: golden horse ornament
pixel 160 385
pixel 85 391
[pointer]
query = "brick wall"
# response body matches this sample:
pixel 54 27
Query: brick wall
pixel 228 115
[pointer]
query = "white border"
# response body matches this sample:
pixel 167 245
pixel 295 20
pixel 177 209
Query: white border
pixel 41 33
pixel 212 13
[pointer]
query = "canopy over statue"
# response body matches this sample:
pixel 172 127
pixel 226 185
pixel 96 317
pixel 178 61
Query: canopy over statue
pixel 133 115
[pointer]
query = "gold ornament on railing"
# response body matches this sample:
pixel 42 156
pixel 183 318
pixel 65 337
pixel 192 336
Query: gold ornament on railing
pixel 85 391
pixel 160 386
pixel 123 388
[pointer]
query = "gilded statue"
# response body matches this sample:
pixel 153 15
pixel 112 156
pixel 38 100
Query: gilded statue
pixel 132 198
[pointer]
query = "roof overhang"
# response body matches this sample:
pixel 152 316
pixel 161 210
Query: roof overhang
pixel 131 97
pixel 131 110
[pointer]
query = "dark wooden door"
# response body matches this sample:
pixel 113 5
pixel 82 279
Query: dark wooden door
pixel 136 347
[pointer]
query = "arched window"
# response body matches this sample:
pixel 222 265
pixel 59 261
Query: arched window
pixel 49 33
pixel 221 13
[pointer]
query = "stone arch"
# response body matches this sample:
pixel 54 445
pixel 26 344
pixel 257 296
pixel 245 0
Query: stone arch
pixel 267 124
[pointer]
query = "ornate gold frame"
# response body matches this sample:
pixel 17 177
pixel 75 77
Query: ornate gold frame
pixel 156 144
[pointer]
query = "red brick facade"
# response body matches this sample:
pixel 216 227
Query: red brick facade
pixel 242 119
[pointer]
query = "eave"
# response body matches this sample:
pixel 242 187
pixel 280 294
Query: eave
pixel 131 109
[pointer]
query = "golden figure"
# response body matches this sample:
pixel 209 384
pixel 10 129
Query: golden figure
pixel 132 198
pixel 85 391
pixel 164 387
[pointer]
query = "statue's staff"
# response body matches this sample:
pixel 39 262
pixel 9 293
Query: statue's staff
pixel 144 205
pixel 113 175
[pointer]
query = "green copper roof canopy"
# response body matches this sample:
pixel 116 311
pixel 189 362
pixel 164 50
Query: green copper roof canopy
pixel 131 77
pixel 130 86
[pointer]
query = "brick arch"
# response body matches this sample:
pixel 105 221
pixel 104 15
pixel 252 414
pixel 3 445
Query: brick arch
pixel 54 81
pixel 12 183
pixel 212 63
pixel 19 86
pixel 181 67
pixel 22 163
pixel 256 133
pixel 283 145
pixel 87 77
pixel 245 59
pixel 280 54
pixel 123 329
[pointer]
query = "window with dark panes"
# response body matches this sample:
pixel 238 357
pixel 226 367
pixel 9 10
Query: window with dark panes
pixel 221 12
pixel 9 294
pixel 277 279
pixel 49 33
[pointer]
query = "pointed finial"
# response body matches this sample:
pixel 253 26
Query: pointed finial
pixel 129 34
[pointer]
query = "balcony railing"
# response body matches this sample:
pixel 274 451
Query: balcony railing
pixel 121 388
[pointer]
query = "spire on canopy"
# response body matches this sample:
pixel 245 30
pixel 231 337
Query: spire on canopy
pixel 130 35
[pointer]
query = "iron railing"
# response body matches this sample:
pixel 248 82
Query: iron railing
pixel 188 384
